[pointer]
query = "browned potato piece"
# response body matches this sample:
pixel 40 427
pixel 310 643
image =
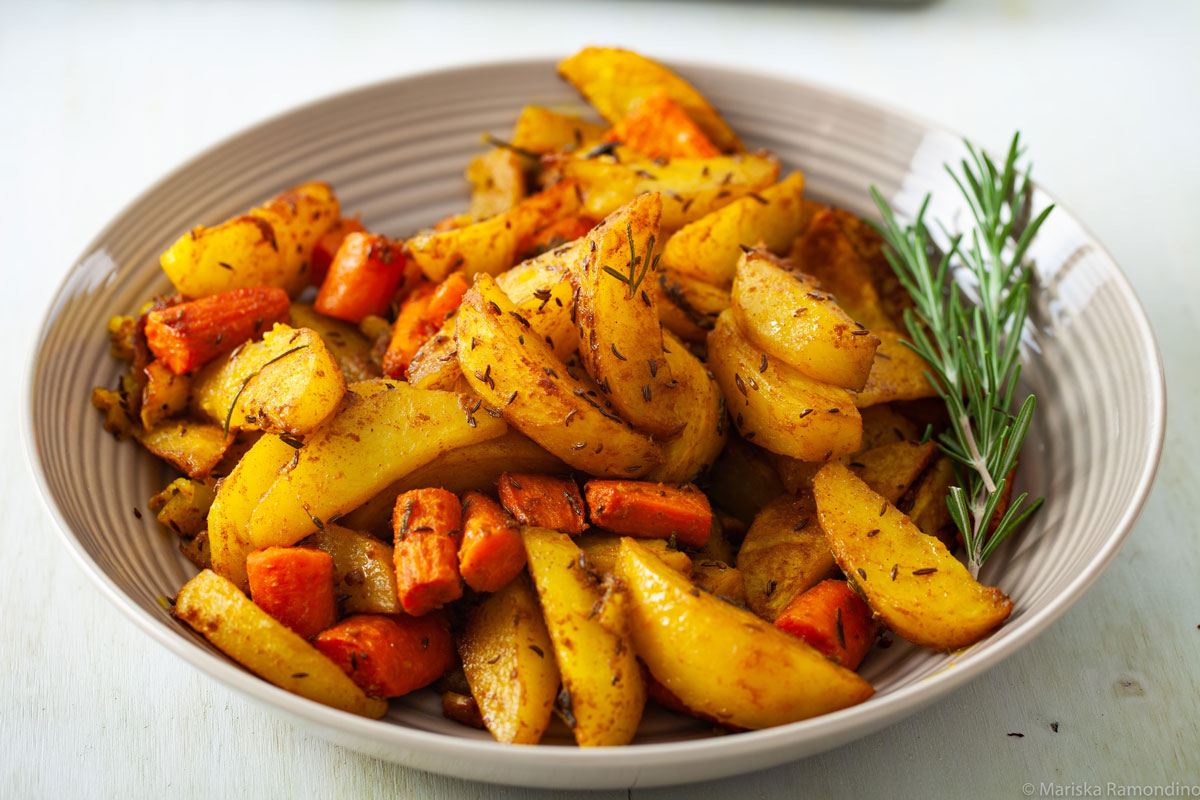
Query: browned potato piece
pixel 883 424
pixel 721 579
pixel 164 395
pixel 193 448
pixel 710 247
pixel 363 570
pixel 345 342
pixel 435 364
pixel 196 550
pixel 602 550
pixel 713 656
pixel 742 481
pixel 117 420
pixel 910 580
pixel 492 245
pixel 690 187
pixel 183 506
pixel 540 130
pixel 824 252
pixel 620 339
pixel 929 511
pixel 783 555
pixel 509 663
pixel 219 611
pixel 270 246
pixel 120 337
pixel 688 307
pixel 699 402
pixel 784 410
pixel 497 182
pixel 616 81
pixel 787 317
pixel 515 371
pixel 796 475
pixel 892 468
pixel 897 373
pixel 869 245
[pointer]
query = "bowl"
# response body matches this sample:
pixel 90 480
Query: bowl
pixel 396 151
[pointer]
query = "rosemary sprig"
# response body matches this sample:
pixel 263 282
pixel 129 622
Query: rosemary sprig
pixel 252 376
pixel 972 349
pixel 638 267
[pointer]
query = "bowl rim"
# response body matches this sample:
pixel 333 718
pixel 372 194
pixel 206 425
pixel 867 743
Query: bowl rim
pixel 873 714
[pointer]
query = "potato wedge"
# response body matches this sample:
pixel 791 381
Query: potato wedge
pixel 929 511
pixel 194 448
pixel 492 245
pixel 699 401
pixel 364 573
pixel 784 410
pixel 349 348
pixel 910 580
pixel 824 252
pixel 269 246
pixel 435 365
pixel 620 338
pixel 784 555
pixel 164 395
pixel 519 374
pixel 712 654
pixel 883 424
pixel 380 435
pixel 218 610
pixel 710 247
pixel 615 81
pixel 288 382
pixel 722 579
pixel 789 318
pixel 603 692
pixel 497 182
pixel 897 373
pixel 891 469
pixel 183 506
pixel 603 549
pixel 509 663
pixel 869 245
pixel 541 130
pixel 688 307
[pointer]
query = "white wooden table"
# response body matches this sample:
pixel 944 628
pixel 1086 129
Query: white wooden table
pixel 97 102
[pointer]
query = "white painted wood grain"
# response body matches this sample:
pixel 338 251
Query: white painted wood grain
pixel 99 100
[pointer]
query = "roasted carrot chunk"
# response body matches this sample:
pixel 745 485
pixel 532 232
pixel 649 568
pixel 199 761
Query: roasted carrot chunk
pixel 390 656
pixel 295 586
pixel 650 510
pixel 492 552
pixel 834 620
pixel 428 527
pixel 420 318
pixel 543 501
pixel 660 128
pixel 327 246
pixel 558 233
pixel 366 273
pixel 189 335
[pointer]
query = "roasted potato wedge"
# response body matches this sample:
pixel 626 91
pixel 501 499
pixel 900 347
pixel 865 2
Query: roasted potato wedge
pixel 891 469
pixel 711 654
pixel 509 662
pixel 349 348
pixel 183 506
pixel 710 247
pixel 364 573
pixel 824 252
pixel 515 371
pixel 789 318
pixel 194 448
pixel 497 182
pixel 541 130
pixel 784 555
pixel 164 395
pixel 869 245
pixel 784 410
pixel 603 692
pixel 722 579
pixel 699 402
pixel 897 373
pixel 218 610
pixel 269 246
pixel 688 307
pixel 929 511
pixel 910 580
pixel 602 550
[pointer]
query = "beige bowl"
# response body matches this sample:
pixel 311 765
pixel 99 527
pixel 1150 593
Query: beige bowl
pixel 396 151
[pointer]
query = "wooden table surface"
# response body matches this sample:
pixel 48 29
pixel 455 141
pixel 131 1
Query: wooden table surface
pixel 98 101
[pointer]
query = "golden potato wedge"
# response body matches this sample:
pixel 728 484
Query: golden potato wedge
pixel 513 370
pixel 350 349
pixel 497 182
pixel 364 573
pixel 824 252
pixel 269 246
pixel 287 382
pixel 711 654
pixel 602 550
pixel 699 402
pixel 784 410
pixel 710 247
pixel 534 276
pixel 183 506
pixel 718 546
pixel 218 610
pixel 869 245
pixel 541 130
pixel 492 245
pixel 784 555
pixel 883 424
pixel 193 448
pixel 603 692
pixel 690 187
pixel 910 580
pixel 929 511
pixel 796 475
pixel 380 435
pixel 164 395
pixel 742 481
pixel 722 579
pixel 509 663
pixel 891 469
pixel 688 307
pixel 897 373
pixel 787 317
pixel 616 81
pixel 113 405
pixel 435 364
pixel 620 338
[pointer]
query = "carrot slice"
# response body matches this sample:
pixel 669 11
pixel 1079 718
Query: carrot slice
pixel 650 510
pixel 492 552
pixel 543 501
pixel 189 335
pixel 327 246
pixel 660 128
pixel 295 586
pixel 420 318
pixel 832 618
pixel 366 273
pixel 390 656
pixel 428 527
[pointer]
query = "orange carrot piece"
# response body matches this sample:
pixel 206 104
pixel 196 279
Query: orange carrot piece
pixel 660 128
pixel 419 320
pixel 366 273
pixel 650 510
pixel 492 552
pixel 327 246
pixel 189 335
pixel 834 619
pixel 543 501
pixel 558 233
pixel 428 526
pixel 295 586
pixel 390 656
